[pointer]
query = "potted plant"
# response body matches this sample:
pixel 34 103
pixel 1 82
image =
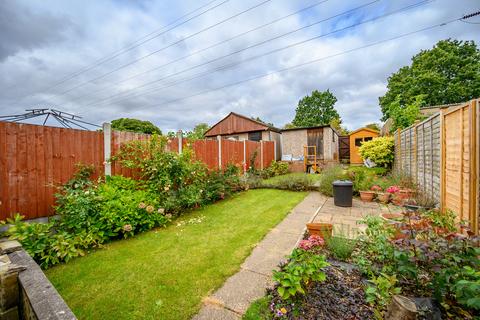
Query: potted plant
pixel 394 194
pixel 420 202
pixel 323 230
pixel 366 194
pixel 383 197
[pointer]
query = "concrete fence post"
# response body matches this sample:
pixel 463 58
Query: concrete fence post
pixel 107 147
pixel 219 139
pixel 261 154
pixel 180 141
pixel 244 156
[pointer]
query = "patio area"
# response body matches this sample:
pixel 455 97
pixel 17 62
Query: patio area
pixel 345 219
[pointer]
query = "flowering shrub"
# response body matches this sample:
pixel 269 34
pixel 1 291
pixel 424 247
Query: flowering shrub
pixel 313 242
pixel 393 189
pixel 379 150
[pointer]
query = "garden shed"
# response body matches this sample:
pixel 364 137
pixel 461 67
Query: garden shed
pixel 315 144
pixel 357 137
pixel 239 127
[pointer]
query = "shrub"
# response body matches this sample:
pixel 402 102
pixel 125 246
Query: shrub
pixel 276 168
pixel 291 182
pixel 380 150
pixel 329 175
pixel 340 247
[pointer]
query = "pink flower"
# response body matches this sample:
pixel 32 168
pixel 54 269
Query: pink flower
pixel 161 210
pixel 305 245
pixel 127 228
pixel 393 189
pixel 149 209
pixel 316 240
pixel 142 205
pixel 376 188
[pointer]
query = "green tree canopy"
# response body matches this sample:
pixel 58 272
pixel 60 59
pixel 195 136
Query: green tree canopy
pixel 316 109
pixel 260 120
pixel 135 125
pixel 447 73
pixel 337 125
pixel 373 126
pixel 198 131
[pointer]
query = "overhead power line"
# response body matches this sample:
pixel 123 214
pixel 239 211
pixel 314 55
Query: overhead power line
pixel 165 47
pixel 307 63
pixel 147 38
pixel 211 46
pixel 227 66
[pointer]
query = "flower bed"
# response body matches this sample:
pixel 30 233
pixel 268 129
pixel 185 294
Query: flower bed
pixel 434 258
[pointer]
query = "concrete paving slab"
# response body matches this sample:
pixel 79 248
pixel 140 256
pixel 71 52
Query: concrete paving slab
pixel 241 289
pixel 263 261
pixel 279 241
pixel 216 313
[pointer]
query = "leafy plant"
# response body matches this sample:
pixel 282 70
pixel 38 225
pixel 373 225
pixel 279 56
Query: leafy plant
pixel 381 291
pixel 340 247
pixel 276 168
pixel 328 176
pixel 467 290
pixel 303 267
pixel 379 150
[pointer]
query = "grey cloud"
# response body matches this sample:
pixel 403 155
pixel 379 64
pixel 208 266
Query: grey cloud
pixel 24 30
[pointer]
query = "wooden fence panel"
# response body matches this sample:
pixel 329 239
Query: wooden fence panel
pixel 268 153
pixel 441 155
pixel 252 149
pixel 35 160
pixel 460 172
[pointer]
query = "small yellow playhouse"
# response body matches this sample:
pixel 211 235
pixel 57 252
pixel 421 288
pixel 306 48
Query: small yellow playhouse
pixel 357 137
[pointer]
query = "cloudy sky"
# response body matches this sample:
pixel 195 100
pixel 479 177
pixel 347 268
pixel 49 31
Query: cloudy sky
pixel 178 63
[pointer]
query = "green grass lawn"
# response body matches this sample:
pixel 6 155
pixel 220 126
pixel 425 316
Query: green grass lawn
pixel 165 273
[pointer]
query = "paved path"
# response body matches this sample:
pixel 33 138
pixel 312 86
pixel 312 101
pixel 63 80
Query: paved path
pixel 345 220
pixel 255 275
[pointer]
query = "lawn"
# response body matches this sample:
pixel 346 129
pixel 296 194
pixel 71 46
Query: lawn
pixel 165 273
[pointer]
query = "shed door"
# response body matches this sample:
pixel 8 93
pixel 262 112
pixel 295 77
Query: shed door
pixel 315 138
pixel 344 147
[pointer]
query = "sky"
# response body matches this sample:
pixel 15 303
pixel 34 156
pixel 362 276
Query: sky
pixel 179 63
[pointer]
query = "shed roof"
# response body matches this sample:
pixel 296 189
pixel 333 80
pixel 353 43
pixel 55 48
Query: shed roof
pixel 364 129
pixel 237 123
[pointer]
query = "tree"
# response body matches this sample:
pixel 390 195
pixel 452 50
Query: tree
pixel 447 73
pixel 198 131
pixel 337 125
pixel 405 116
pixel 288 126
pixel 260 120
pixel 315 110
pixel 373 126
pixel 135 125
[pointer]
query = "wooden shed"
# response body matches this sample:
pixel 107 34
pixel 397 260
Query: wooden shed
pixel 316 144
pixel 357 137
pixel 239 127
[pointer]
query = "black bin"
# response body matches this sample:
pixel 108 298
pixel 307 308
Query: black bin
pixel 342 193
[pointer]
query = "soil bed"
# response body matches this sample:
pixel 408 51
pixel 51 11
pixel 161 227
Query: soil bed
pixel 340 296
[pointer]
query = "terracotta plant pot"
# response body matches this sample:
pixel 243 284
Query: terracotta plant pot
pixel 383 197
pixel 367 196
pixel 392 217
pixel 397 199
pixel 323 230
pixel 406 193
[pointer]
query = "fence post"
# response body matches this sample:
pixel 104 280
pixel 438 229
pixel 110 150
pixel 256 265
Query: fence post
pixel 275 150
pixel 244 156
pixel 107 147
pixel 219 139
pixel 261 154
pixel 180 141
